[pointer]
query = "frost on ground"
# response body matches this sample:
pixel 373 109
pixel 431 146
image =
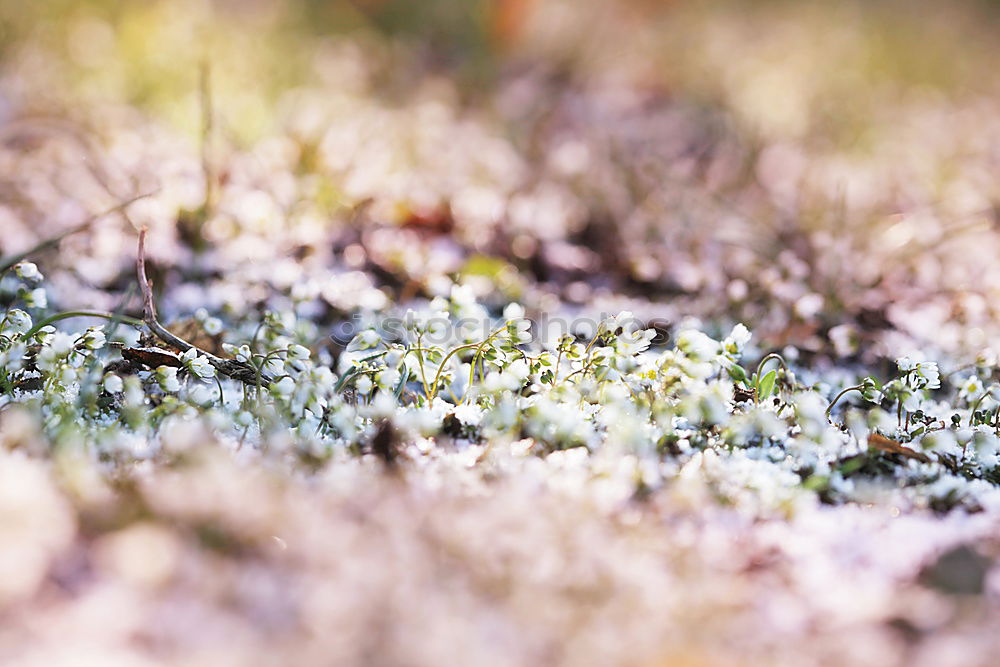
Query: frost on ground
pixel 595 364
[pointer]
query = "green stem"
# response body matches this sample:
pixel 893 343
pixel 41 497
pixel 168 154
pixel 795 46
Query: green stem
pixel 475 360
pixel 453 352
pixel 975 406
pixel 773 355
pixel 836 398
pixel 82 313
pixel 420 360
pixel 760 369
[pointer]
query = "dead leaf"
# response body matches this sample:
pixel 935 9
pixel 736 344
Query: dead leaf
pixel 884 444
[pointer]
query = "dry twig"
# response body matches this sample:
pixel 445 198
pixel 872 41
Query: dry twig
pixel 237 370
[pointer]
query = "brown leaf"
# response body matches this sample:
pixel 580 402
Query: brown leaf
pixel 884 444
pixel 153 357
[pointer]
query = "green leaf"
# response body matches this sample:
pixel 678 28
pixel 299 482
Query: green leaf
pixel 737 373
pixel 766 385
pixel 344 378
pixel 403 376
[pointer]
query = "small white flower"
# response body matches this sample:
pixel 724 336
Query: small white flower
pixel 513 311
pixel 394 356
pixel 519 331
pixel 36 298
pixel 242 353
pixel 632 343
pixel 365 340
pixel 212 326
pixel 972 388
pixel 166 377
pixel 198 364
pixel 28 271
pixel 298 352
pixel 243 418
pixel 285 386
pixel 19 321
pixel 127 335
pixel 13 357
pixel 517 372
pixel 94 338
pixel 134 395
pixel 113 384
pixel 616 324
pixel 363 384
pixel 928 371
pixel 67 375
pixel 202 395
pixel 696 345
pixel 389 378
pixel 60 343
pixel 905 364
pixel 736 340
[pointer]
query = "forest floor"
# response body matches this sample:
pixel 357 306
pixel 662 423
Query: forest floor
pixel 499 333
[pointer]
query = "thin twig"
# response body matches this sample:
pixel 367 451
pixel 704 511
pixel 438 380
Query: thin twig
pixel 231 368
pixel 207 127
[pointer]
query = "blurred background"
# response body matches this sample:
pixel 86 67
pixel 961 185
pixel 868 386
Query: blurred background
pixel 825 172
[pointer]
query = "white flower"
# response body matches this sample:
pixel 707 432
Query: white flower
pixel 29 272
pixel 469 414
pixel 389 378
pixel 19 321
pixel 67 375
pixel 363 384
pixel 696 345
pixel 212 326
pixel 127 335
pixel 198 364
pixel 243 418
pixel 971 388
pixel 928 371
pixel 617 324
pixel 13 357
pixel 365 340
pixel 166 377
pixel 134 394
pixel 285 386
pixel 242 353
pixel 632 343
pixel 519 331
pixel 36 298
pixel 736 340
pixel 919 374
pixel 202 395
pixel 513 311
pixel 94 338
pixel 298 352
pixel 517 373
pixel 394 356
pixel 60 343
pixel 911 402
pixel 113 384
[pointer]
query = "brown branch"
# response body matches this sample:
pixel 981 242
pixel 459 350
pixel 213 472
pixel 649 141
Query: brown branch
pixel 232 368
